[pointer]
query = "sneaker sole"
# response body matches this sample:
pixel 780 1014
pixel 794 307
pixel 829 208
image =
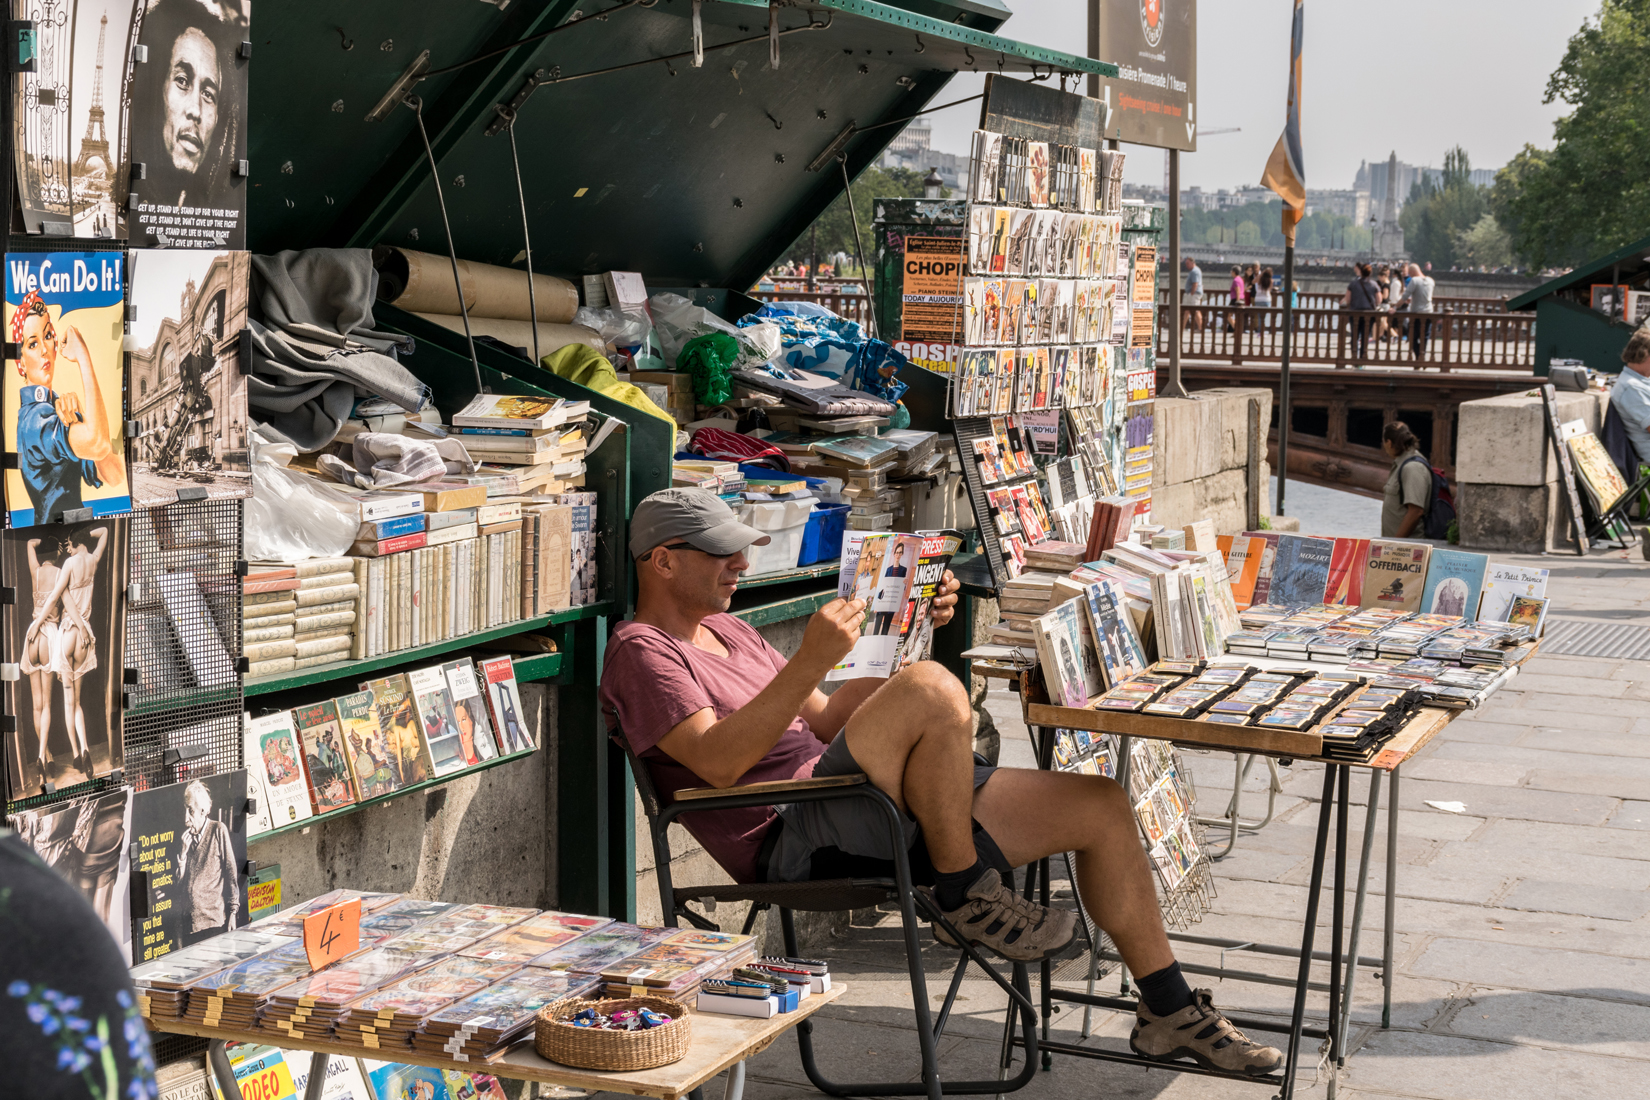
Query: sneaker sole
pixel 1203 1060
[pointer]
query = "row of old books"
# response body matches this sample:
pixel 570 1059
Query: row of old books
pixel 393 733
pixel 301 615
pixel 439 978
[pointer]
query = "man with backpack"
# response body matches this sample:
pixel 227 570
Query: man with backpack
pixel 1418 502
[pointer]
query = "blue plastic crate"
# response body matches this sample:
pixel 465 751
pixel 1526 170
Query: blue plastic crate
pixel 822 538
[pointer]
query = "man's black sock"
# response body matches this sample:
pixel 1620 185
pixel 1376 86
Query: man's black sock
pixel 951 887
pixel 1165 991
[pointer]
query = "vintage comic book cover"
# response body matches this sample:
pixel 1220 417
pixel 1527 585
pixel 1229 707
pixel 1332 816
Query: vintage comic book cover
pixel 398 725
pixel 279 754
pixel 364 748
pixel 328 773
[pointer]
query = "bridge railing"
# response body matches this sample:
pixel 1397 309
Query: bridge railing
pixel 1315 300
pixel 1442 340
pixel 851 306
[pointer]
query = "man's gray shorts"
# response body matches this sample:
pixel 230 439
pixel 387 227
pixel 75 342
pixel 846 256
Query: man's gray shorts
pixel 854 826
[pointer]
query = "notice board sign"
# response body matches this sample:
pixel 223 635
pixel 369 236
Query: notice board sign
pixel 1153 98
pixel 931 301
pixel 1143 295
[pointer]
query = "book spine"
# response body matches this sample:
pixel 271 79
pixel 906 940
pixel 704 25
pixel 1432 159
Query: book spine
pixel 263 651
pixel 252 599
pixel 358 642
pixel 280 584
pixel 270 667
pixel 339 619
pixel 336 593
pixel 398 568
pixel 318 567
pixel 267 634
pixel 260 622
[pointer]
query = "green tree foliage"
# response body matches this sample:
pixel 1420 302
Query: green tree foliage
pixel 1486 244
pixel 836 228
pixel 1590 193
pixel 1436 216
pixel 1262 223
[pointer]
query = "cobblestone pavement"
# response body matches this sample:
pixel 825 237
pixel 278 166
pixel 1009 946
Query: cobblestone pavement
pixel 1523 940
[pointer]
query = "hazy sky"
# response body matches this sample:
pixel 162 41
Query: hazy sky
pixel 1416 76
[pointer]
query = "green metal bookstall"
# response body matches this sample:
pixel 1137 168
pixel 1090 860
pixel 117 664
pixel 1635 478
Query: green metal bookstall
pixel 624 141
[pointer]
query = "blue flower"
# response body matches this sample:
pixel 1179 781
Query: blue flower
pixel 53 996
pixel 75 1023
pixel 124 999
pixel 37 1012
pixel 134 1031
pixel 51 1025
pixel 65 1057
pixel 94 1043
pixel 18 989
pixel 67 1004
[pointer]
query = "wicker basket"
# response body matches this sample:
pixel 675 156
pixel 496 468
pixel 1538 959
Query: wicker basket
pixel 617 1051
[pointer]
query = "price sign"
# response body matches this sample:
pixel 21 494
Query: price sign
pixel 332 933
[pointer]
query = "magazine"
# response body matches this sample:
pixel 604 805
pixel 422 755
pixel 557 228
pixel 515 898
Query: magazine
pixel 898 576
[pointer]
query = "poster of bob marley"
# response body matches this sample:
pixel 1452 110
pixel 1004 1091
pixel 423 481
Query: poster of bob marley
pixel 62 393
pixel 66 634
pixel 189 841
pixel 184 386
pixel 69 129
pixel 188 125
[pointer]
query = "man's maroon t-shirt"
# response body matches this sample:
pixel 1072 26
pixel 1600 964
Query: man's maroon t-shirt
pixel 653 681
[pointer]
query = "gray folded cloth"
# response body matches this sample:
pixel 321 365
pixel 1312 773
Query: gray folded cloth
pixel 382 461
pixel 314 348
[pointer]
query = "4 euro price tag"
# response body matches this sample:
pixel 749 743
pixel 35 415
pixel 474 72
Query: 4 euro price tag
pixel 333 933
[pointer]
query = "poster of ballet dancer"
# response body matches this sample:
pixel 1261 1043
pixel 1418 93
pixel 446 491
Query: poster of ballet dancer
pixel 65 313
pixel 66 634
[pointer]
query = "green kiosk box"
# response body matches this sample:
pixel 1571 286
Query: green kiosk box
pixel 695 160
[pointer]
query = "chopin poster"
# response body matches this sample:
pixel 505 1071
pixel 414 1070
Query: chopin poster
pixel 1152 100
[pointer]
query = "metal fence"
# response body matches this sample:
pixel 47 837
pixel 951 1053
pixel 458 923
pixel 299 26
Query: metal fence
pixel 1219 299
pixel 849 305
pixel 1443 340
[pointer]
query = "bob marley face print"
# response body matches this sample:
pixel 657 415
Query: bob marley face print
pixel 194 82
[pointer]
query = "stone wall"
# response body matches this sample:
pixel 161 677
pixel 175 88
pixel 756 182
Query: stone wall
pixel 487 837
pixel 1508 494
pixel 1209 458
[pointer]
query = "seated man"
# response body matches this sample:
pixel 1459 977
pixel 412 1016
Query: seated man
pixel 705 701
pixel 1631 394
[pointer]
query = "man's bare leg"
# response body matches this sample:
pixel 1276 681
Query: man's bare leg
pixel 914 738
pixel 1090 816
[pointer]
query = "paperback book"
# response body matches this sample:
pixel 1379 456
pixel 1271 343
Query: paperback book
pixel 1455 580
pixel 272 744
pixel 1395 574
pixel 1071 680
pixel 330 786
pixel 436 722
pixel 1505 583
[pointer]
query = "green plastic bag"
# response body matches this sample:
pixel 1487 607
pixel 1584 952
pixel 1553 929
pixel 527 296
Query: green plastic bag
pixel 710 358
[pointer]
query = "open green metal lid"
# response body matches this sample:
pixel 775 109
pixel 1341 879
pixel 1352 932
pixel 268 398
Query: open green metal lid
pixel 692 176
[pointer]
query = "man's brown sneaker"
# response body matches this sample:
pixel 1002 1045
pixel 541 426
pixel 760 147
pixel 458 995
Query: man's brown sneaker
pixel 1201 1033
pixel 996 917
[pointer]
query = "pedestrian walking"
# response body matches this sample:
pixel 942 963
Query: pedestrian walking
pixel 1251 276
pixel 1261 298
pixel 1363 295
pixel 1191 296
pixel 1417 299
pixel 1408 490
pixel 1235 299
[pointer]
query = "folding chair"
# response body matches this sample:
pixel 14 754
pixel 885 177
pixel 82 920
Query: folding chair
pixel 836 895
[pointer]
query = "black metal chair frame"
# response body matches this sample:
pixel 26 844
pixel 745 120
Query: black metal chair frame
pixel 837 895
pixel 1598 524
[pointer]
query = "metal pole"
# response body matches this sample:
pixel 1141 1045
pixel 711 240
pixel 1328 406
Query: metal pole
pixel 1388 934
pixel 1283 377
pixel 1370 825
pixel 813 257
pixel 1174 388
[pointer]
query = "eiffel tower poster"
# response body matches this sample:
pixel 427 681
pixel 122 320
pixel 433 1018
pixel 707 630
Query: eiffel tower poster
pixel 104 33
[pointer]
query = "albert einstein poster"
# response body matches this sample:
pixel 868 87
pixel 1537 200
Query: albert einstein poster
pixel 62 395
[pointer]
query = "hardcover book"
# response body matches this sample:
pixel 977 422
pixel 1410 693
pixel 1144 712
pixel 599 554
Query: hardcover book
pixel 1395 574
pixel 1122 657
pixel 330 785
pixel 1300 573
pixel 437 724
pixel 1503 584
pixel 1454 582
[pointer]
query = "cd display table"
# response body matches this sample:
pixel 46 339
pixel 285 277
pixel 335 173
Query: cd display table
pixel 718 1043
pixel 1043 718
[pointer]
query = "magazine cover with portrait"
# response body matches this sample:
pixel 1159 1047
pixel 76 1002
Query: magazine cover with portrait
pixel 88 842
pixel 191 844
pixel 62 394
pixel 66 633
pixel 184 385
pixel 188 124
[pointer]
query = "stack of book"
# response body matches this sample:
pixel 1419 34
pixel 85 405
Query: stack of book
pixel 539 442
pixel 675 966
pixel 302 615
pixel 389 1018
pixel 1020 602
pixel 488 1022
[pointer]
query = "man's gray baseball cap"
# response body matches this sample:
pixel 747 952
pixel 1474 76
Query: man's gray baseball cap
pixel 696 516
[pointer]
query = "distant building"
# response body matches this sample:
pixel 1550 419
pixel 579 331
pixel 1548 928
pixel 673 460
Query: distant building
pixel 913 148
pixel 1352 204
